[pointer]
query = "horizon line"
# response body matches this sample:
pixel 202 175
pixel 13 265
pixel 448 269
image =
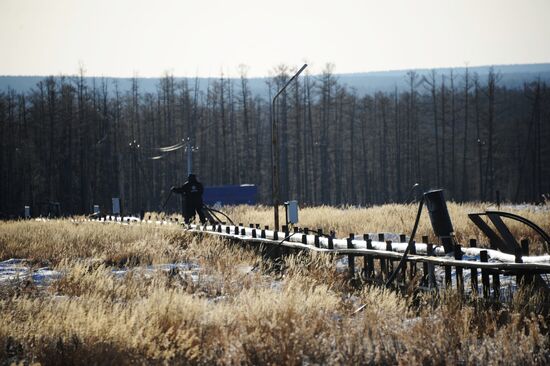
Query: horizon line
pixel 267 76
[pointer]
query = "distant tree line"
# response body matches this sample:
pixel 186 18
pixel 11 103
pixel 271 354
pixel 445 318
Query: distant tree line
pixel 80 143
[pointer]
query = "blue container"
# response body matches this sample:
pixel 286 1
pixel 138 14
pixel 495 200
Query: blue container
pixel 244 194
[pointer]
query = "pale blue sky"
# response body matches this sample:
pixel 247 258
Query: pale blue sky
pixel 205 37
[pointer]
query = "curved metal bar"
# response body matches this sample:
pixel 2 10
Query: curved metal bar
pixel 527 222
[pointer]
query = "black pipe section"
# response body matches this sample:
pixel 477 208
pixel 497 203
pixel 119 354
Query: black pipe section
pixel 439 215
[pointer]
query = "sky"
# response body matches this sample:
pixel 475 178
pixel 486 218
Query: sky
pixel 123 38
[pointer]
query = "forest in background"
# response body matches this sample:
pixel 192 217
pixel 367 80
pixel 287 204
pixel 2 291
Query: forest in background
pixel 79 143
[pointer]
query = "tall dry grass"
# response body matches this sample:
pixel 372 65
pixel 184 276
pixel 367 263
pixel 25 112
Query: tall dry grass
pixel 223 313
pixel 53 241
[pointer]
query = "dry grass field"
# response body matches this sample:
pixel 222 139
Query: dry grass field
pixel 115 303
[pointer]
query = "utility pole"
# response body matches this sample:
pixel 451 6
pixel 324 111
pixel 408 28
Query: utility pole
pixel 275 151
pixel 190 149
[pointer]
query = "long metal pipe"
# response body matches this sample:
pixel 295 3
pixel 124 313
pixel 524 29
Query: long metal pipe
pixel 275 151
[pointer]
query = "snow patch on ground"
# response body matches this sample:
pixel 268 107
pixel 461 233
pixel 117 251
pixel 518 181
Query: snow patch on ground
pixel 16 270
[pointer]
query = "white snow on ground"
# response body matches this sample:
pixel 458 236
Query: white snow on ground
pixel 522 207
pixel 14 270
pixel 192 270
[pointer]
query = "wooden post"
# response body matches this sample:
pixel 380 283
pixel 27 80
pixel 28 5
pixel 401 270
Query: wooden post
pixel 251 226
pixel 351 258
pixel 525 247
pixel 518 259
pixel 390 261
pixel 473 272
pixel 496 286
pixel 254 233
pixel 404 273
pixel 425 267
pixel 484 273
pixel 365 271
pixel 306 231
pixel 430 267
pixel 370 260
pixel 296 229
pixel 330 242
pixel 412 264
pixel 262 234
pixel 304 239
pixel 402 238
pixel 227 230
pixel 459 277
pixel 316 241
pixel 243 231
pixel 448 277
pixel 383 262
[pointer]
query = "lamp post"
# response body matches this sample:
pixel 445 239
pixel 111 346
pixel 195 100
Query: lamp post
pixel 275 151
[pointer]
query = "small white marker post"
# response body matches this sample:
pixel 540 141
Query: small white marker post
pixel 27 212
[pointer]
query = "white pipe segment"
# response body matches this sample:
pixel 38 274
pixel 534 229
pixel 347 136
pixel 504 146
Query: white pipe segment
pixel 421 248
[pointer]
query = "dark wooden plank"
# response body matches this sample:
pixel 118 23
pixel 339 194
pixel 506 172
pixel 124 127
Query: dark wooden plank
pixel 504 232
pixel 495 241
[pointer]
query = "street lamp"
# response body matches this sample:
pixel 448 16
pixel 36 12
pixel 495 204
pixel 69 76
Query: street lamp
pixel 275 150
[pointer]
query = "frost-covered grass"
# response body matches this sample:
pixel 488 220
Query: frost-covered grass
pixel 116 302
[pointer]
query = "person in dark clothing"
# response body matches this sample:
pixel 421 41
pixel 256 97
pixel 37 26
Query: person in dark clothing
pixel 192 194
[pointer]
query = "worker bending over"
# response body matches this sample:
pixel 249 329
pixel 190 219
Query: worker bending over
pixel 192 195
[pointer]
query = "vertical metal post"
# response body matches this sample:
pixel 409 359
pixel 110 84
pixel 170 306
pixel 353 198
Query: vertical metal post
pixel 275 151
pixel 275 165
